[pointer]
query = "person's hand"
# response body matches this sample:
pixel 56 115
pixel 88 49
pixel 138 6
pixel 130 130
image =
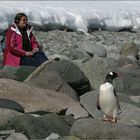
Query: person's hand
pixel 29 53
pixel 35 50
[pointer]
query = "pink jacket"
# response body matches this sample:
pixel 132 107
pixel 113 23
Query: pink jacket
pixel 13 51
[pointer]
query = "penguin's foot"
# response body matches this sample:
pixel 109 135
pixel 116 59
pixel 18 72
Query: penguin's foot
pixel 109 119
pixel 106 118
pixel 114 120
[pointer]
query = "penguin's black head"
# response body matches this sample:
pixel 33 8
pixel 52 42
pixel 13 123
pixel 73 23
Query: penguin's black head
pixel 110 76
pixel 113 74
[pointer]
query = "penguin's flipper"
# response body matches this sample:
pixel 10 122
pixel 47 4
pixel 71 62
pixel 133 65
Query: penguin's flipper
pixel 117 100
pixel 98 103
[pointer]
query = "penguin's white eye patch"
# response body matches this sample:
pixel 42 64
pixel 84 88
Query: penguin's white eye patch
pixel 111 73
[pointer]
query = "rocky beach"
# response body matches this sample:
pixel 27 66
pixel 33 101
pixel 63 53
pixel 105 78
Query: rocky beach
pixel 57 101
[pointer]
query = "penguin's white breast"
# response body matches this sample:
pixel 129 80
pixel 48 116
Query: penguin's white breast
pixel 107 98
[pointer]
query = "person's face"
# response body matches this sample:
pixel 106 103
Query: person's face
pixel 23 22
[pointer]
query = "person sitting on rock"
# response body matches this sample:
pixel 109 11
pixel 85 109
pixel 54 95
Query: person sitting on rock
pixel 22 47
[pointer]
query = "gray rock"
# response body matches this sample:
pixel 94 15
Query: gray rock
pixel 79 54
pixel 7 114
pixel 130 78
pixel 34 99
pixel 6 133
pixel 17 136
pixel 128 60
pixel 41 127
pixel 88 128
pixel 16 73
pixel 69 72
pixel 130 114
pixel 8 72
pixel 96 69
pixel 129 68
pixel 88 101
pixel 93 48
pixel 122 61
pixel 132 60
pixel 137 43
pixel 59 42
pixel 61 57
pixel 125 98
pixel 52 136
pixel 112 49
pixel 23 72
pixel 77 111
pixel 136 99
pixel 50 80
pixel 129 48
pixel 113 56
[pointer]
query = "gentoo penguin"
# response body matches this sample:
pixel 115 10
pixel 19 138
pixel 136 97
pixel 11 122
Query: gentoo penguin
pixel 107 99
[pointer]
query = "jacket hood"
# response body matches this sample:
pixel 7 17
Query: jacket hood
pixel 15 29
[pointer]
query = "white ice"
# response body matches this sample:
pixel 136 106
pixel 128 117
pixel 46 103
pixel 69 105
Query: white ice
pixel 76 15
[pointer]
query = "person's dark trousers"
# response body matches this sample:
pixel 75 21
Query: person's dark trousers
pixel 35 60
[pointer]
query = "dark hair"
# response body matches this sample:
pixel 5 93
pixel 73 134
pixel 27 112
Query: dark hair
pixel 18 17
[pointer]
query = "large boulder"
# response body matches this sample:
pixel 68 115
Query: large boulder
pixel 68 71
pixel 7 114
pixel 130 113
pixel 8 72
pixel 40 127
pixel 16 73
pixel 50 80
pixel 88 128
pixel 89 101
pixel 34 99
pixel 96 69
pixel 23 72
